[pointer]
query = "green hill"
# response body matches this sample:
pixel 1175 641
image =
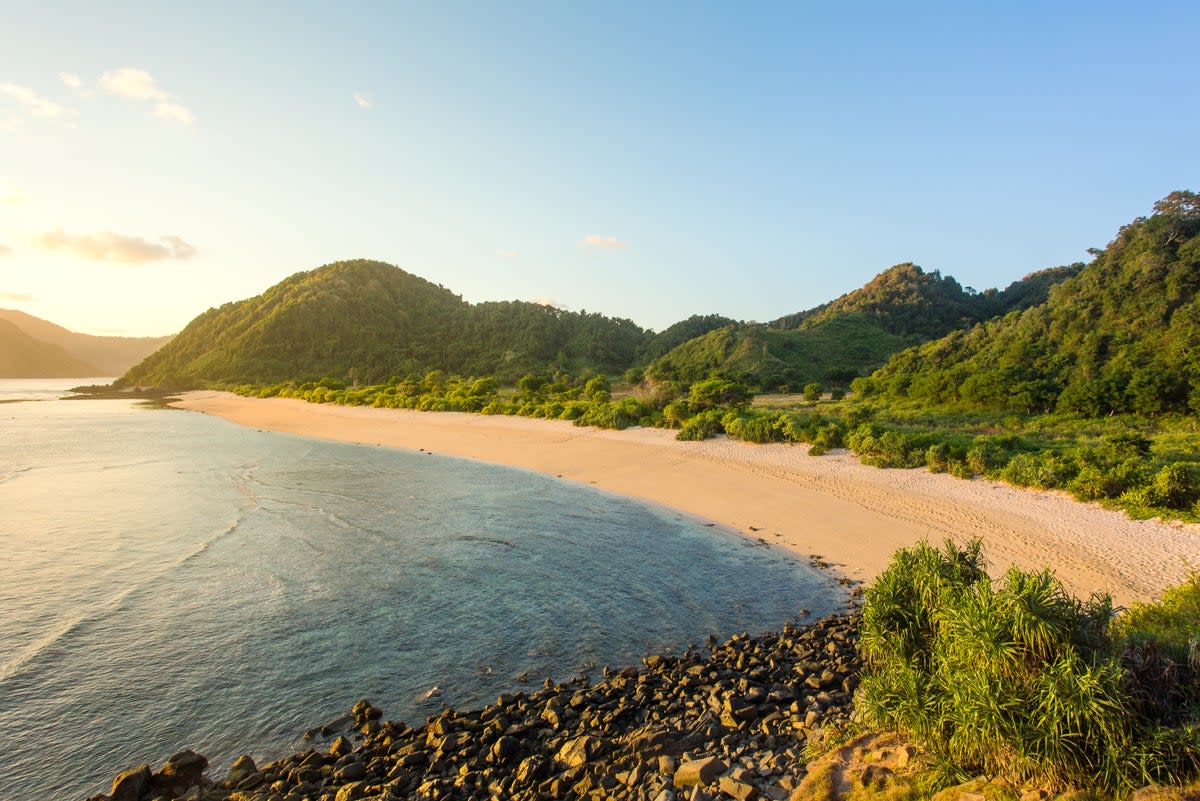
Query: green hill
pixel 673 336
pixel 369 321
pixel 1123 335
pixel 110 355
pixel 22 356
pixel 850 336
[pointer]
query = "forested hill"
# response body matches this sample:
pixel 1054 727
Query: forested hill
pixel 1121 336
pixel 369 321
pixel 909 302
pixel 850 336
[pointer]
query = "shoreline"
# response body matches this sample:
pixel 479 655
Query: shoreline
pixel 831 508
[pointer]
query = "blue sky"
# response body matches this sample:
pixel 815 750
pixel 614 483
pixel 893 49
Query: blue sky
pixel 648 161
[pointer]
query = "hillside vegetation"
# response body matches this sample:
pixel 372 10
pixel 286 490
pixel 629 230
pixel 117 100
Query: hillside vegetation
pixel 368 321
pixel 850 336
pixel 1121 336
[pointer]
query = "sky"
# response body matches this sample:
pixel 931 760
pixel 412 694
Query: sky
pixel 644 160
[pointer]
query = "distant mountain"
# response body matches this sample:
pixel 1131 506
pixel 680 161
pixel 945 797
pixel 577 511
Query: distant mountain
pixel 850 336
pixel 1122 335
pixel 370 321
pixel 22 356
pixel 108 355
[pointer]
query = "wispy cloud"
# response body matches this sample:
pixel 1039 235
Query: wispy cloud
pixel 15 297
pixel 10 195
pixel 506 254
pixel 109 246
pixel 32 104
pixel 362 100
pixel 545 302
pixel 140 86
pixel 602 242
pixel 4 251
pixel 71 80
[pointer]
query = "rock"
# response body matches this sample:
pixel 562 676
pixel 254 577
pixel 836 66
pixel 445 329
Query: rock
pixel 340 747
pixel 364 711
pixel 667 765
pixel 740 790
pixel 578 751
pixel 699 771
pixel 352 772
pixel 130 785
pixel 504 749
pixel 875 775
pixel 350 792
pixel 242 767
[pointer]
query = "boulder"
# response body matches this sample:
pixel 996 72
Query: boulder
pixel 242 767
pixel 364 711
pixel 699 772
pixel 578 751
pixel 131 785
pixel 740 790
pixel 340 747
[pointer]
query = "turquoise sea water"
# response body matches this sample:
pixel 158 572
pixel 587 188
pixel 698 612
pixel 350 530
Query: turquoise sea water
pixel 171 580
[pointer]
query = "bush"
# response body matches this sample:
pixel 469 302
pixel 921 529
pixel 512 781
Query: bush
pixel 1015 678
pixel 701 426
pixel 812 392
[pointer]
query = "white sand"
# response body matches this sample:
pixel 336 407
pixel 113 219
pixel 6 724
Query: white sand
pixel 832 506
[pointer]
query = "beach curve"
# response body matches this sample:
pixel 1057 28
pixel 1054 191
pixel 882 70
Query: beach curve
pixel 848 514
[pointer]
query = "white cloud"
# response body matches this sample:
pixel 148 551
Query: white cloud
pixel 4 251
pixel 174 111
pixel 15 297
pixel 362 100
pixel 602 242
pixel 180 249
pixel 33 104
pixel 139 85
pixel 506 254
pixel 546 302
pixel 133 84
pixel 109 246
pixel 71 80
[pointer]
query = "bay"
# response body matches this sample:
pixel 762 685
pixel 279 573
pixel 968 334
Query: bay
pixel 171 580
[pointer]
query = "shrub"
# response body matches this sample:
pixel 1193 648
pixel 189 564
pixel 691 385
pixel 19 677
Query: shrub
pixel 701 426
pixel 1015 678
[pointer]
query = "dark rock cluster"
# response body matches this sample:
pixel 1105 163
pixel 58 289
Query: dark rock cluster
pixel 731 721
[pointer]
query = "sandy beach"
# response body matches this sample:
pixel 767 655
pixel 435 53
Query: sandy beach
pixel 831 506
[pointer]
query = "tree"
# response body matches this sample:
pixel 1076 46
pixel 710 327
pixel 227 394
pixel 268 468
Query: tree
pixel 812 392
pixel 597 388
pixel 713 392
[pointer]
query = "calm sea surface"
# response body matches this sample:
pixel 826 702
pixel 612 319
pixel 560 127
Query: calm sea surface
pixel 171 580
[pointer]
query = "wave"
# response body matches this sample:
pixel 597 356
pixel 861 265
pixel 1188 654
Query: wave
pixel 59 632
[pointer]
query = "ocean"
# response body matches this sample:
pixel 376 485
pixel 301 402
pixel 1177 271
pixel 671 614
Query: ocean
pixel 172 580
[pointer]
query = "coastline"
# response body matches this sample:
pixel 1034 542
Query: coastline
pixel 830 507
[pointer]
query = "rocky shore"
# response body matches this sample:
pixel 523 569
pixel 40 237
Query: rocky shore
pixel 729 721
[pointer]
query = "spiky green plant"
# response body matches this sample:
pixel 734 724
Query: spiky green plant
pixel 1014 678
